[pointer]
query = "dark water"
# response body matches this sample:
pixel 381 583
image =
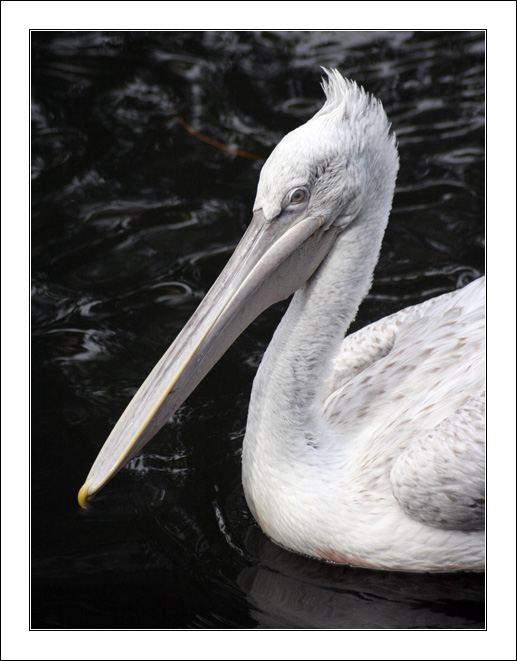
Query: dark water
pixel 133 218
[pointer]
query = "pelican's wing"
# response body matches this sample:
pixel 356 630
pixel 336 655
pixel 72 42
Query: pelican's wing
pixel 413 358
pixel 439 479
pixel 361 350
pixel 409 391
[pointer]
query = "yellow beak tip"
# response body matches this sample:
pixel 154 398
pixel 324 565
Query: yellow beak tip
pixel 83 496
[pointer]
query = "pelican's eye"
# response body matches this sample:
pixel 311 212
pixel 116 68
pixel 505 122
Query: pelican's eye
pixel 297 196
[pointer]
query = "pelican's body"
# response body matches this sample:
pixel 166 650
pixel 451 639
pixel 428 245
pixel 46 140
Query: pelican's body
pixel 378 453
pixel 367 451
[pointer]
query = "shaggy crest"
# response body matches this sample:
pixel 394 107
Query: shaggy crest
pixel 348 101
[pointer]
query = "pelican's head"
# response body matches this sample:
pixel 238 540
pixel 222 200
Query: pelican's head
pixel 315 183
pixel 333 165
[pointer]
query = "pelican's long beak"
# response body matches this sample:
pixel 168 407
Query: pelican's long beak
pixel 270 263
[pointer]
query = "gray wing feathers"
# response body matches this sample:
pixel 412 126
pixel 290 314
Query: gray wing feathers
pixel 440 478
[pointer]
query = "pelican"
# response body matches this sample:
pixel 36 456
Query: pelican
pixel 366 450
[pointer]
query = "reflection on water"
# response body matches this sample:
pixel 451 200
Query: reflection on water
pixel 290 591
pixel 133 218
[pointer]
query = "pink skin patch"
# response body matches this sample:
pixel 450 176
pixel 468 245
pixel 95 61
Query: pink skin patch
pixel 344 559
pixel 258 519
pixel 261 524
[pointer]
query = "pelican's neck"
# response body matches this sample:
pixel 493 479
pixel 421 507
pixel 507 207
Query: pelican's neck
pixel 285 408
